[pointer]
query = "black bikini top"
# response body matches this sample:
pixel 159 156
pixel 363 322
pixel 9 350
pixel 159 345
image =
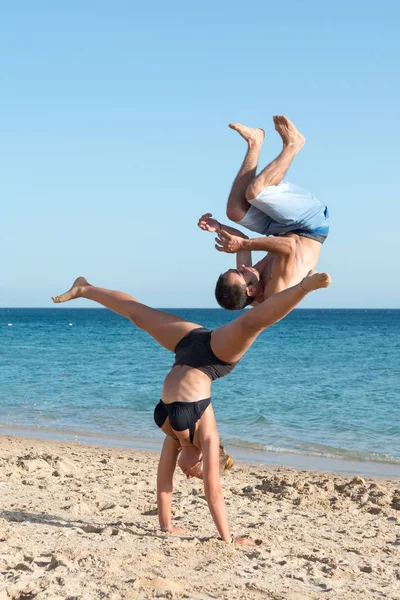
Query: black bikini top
pixel 194 350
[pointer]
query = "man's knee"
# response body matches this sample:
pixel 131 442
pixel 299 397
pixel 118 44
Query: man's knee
pixel 252 190
pixel 235 214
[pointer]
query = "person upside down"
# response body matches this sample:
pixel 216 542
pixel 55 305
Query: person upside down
pixel 296 221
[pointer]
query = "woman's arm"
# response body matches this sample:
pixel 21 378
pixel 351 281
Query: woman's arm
pixel 209 441
pixel 212 486
pixel 165 473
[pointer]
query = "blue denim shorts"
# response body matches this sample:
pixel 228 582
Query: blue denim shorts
pixel 287 208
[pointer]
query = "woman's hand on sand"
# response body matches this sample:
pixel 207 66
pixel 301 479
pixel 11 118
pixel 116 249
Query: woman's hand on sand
pixel 244 541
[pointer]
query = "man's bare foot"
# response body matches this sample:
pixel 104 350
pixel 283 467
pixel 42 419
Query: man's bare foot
pixel 315 281
pixel 288 132
pixel 73 292
pixel 250 134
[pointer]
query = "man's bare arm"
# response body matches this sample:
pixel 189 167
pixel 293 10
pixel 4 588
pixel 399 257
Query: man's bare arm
pixel 283 248
pixel 233 231
pixel 276 244
pixel 243 257
pixel 207 223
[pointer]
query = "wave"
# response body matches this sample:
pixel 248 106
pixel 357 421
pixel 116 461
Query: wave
pixel 318 450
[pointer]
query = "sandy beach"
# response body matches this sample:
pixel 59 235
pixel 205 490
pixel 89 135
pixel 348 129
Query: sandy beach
pixel 80 522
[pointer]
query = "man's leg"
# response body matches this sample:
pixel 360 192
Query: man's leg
pixel 273 174
pixel 165 328
pixel 237 204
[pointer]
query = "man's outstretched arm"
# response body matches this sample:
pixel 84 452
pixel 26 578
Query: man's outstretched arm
pixel 284 248
pixel 207 223
pixel 232 243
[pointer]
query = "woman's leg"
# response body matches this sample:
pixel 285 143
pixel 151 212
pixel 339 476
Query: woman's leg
pixel 231 341
pixel 165 328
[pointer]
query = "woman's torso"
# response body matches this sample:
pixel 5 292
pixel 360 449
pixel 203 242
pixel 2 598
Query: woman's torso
pixel 185 384
pixel 195 367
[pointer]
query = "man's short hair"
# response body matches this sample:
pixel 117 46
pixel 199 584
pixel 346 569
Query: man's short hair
pixel 231 295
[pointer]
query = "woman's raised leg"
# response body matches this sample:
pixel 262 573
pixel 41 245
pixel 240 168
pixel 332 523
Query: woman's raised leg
pixel 231 341
pixel 165 328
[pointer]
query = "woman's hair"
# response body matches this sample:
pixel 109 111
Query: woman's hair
pixel 225 461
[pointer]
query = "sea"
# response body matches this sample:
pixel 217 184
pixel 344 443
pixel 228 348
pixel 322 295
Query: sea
pixel 320 389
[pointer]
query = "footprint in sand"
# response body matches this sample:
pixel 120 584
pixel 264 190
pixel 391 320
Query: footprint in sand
pixel 160 584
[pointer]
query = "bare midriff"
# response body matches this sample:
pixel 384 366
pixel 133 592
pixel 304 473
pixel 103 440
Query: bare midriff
pixel 185 384
pixel 307 250
pixel 307 254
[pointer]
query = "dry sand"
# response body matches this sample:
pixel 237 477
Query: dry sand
pixel 80 522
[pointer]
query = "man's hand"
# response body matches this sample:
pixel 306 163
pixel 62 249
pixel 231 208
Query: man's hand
pixel 229 239
pixel 225 242
pixel 207 223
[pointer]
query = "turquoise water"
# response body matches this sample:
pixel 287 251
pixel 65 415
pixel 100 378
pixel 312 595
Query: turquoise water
pixel 321 382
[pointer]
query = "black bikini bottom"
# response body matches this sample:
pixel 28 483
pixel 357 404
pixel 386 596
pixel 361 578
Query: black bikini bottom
pixel 182 415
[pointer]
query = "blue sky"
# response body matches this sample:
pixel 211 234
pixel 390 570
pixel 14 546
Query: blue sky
pixel 114 140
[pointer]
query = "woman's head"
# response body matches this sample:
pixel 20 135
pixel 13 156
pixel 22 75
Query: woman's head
pixel 225 460
pixel 191 461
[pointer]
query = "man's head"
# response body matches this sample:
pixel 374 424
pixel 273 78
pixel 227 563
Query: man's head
pixel 237 288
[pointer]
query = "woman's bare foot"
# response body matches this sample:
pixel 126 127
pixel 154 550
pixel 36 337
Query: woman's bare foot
pixel 315 281
pixel 288 132
pixel 253 135
pixel 244 541
pixel 73 292
pixel 174 531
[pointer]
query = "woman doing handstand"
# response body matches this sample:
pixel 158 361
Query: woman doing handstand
pixel 185 412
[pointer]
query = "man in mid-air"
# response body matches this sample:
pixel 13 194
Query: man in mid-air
pixel 297 221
